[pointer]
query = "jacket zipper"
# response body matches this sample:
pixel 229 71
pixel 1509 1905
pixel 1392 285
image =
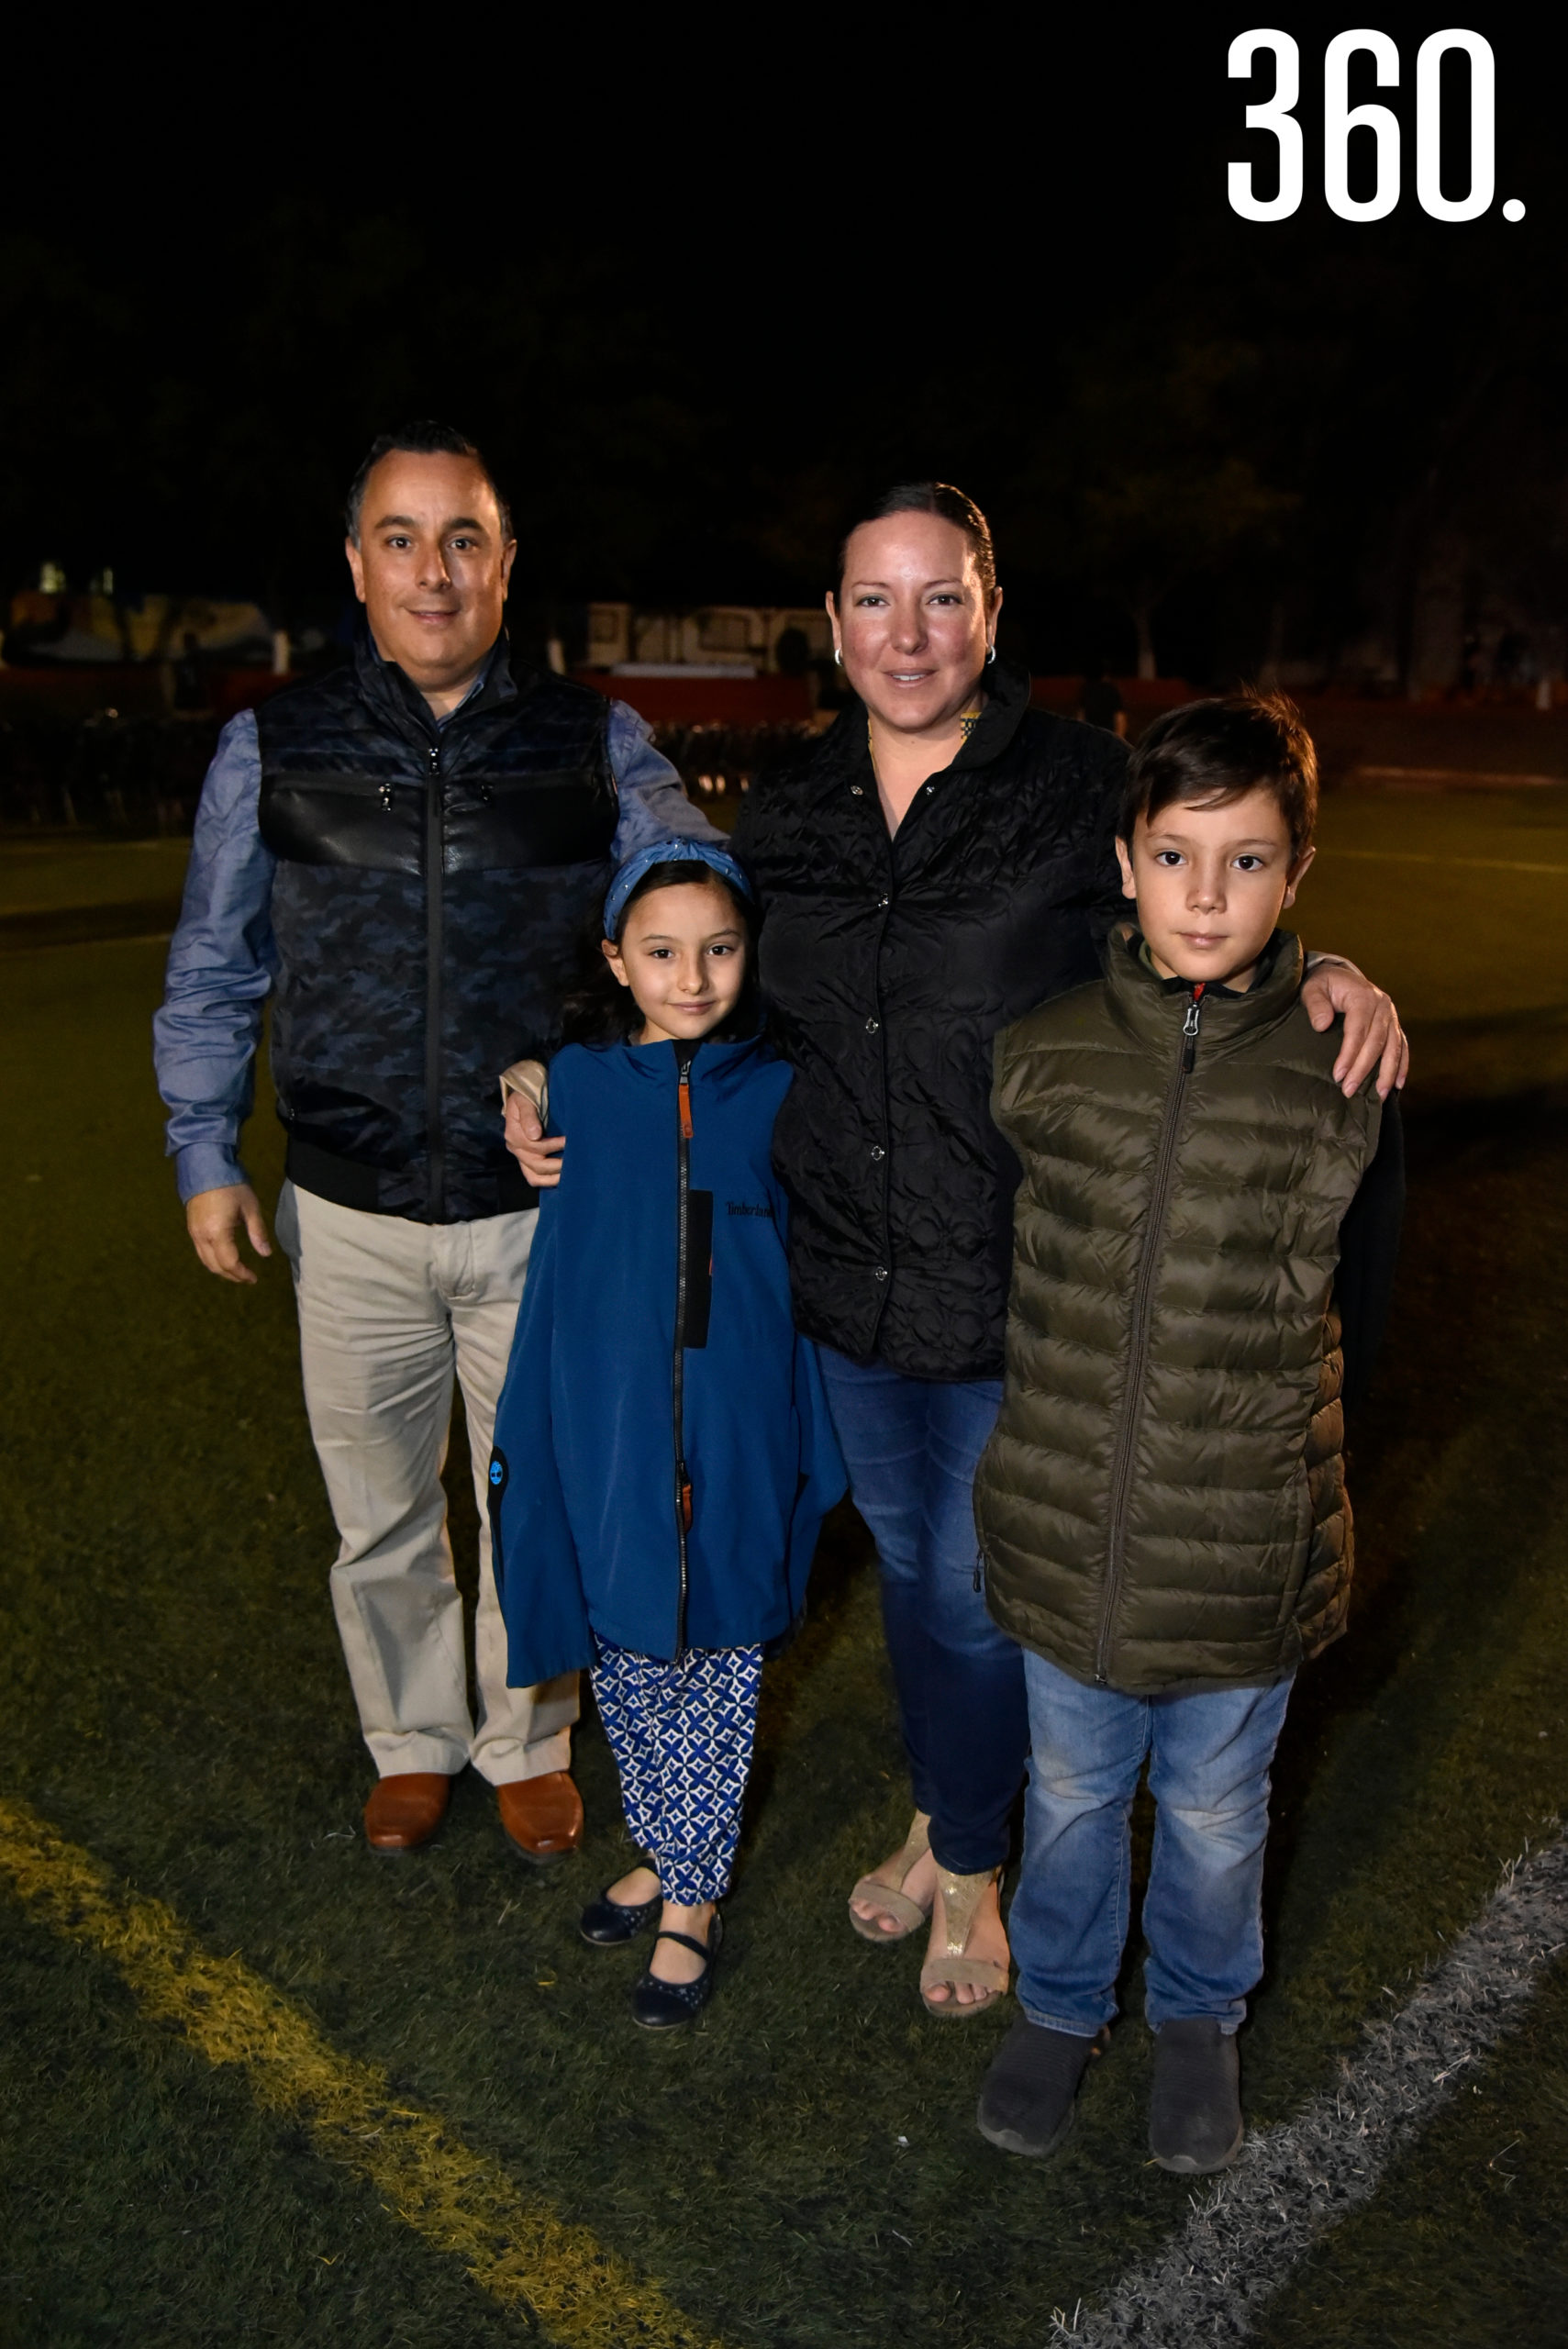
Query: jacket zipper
pixel 684 1055
pixel 1138 1344
pixel 435 1141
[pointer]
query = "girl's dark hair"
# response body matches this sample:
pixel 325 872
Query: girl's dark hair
pixel 1208 753
pixel 950 505
pixel 599 1010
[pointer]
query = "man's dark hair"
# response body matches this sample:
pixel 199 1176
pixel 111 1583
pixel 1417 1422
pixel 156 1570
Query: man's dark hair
pixel 1208 753
pixel 950 505
pixel 423 438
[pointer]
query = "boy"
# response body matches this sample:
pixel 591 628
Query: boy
pixel 1161 1509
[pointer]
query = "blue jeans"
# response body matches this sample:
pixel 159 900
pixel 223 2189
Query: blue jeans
pixel 1208 1773
pixel 911 1446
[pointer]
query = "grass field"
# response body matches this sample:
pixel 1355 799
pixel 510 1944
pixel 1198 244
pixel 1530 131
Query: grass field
pixel 801 2170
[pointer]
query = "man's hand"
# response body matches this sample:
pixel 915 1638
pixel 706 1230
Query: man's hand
pixel 1373 1038
pixel 215 1221
pixel 539 1158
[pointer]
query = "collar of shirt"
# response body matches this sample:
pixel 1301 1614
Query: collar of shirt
pixel 480 681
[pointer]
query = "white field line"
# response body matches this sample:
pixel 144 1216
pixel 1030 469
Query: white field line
pixel 1294 2183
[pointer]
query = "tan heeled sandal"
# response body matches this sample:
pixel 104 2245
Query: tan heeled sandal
pixel 953 1967
pixel 891 1900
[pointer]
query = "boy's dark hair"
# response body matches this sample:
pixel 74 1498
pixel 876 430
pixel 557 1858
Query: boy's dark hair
pixel 950 505
pixel 424 438
pixel 599 1010
pixel 1209 753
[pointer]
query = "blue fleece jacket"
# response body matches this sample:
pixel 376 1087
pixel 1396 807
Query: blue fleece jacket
pixel 586 1498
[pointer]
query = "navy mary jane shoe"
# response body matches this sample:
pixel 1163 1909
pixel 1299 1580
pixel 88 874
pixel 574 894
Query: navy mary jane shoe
pixel 665 2006
pixel 606 1923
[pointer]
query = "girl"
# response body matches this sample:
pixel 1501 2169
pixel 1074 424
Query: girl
pixel 663 1454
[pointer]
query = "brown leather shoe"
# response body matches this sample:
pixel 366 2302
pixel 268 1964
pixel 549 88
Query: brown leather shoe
pixel 404 1811
pixel 542 1816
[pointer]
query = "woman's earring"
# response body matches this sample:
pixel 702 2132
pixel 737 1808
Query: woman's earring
pixel 838 659
pixel 990 654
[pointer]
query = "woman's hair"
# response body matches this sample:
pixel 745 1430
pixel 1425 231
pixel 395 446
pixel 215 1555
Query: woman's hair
pixel 949 505
pixel 1208 753
pixel 599 1010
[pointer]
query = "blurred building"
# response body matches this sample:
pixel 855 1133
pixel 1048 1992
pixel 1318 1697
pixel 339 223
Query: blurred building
pixel 48 625
pixel 720 639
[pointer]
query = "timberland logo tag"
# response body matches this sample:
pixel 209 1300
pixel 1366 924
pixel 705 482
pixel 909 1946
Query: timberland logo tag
pixel 744 1207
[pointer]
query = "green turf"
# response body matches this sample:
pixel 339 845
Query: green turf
pixel 1458 938
pixel 133 2169
pixel 1464 2241
pixel 802 2170
pixel 38 876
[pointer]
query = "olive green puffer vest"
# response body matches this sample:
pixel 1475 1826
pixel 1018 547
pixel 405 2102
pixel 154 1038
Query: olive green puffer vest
pixel 1162 1503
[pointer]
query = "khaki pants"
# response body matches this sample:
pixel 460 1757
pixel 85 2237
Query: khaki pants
pixel 387 1311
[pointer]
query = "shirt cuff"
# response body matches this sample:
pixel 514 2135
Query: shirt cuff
pixel 206 1167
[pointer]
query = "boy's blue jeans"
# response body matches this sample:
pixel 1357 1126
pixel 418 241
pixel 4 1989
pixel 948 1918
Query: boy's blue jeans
pixel 1208 1771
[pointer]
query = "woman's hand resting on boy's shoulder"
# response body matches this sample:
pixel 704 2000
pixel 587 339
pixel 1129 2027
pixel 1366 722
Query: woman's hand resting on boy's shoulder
pixel 1374 1037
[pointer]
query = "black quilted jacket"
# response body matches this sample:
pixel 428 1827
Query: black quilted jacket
pixel 892 964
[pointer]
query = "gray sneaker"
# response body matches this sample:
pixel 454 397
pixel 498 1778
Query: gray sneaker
pixel 1195 2112
pixel 1029 2099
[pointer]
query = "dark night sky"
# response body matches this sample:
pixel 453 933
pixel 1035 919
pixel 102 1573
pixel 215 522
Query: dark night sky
pixel 698 298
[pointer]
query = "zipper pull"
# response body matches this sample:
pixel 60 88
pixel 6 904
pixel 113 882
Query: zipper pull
pixel 1189 1028
pixel 683 1068
pixel 386 797
pixel 435 758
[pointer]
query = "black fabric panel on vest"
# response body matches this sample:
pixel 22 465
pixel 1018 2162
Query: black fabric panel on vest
pixel 345 820
pixel 489 825
pixel 543 819
pixel 326 1177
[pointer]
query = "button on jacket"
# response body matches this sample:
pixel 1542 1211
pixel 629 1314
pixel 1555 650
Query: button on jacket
pixel 892 962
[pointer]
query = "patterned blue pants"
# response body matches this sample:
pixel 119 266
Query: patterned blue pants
pixel 682 1736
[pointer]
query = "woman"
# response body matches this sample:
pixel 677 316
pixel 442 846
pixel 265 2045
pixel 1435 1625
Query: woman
pixel 931 868
pixel 939 863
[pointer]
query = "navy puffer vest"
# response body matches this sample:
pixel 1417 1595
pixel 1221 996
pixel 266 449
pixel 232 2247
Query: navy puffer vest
pixel 430 886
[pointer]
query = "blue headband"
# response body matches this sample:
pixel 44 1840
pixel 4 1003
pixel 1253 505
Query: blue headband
pixel 679 851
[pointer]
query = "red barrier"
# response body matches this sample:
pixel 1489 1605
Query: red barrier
pixel 74 693
pixel 707 701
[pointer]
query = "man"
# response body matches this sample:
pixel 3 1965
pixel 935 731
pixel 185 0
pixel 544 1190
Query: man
pixel 400 853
